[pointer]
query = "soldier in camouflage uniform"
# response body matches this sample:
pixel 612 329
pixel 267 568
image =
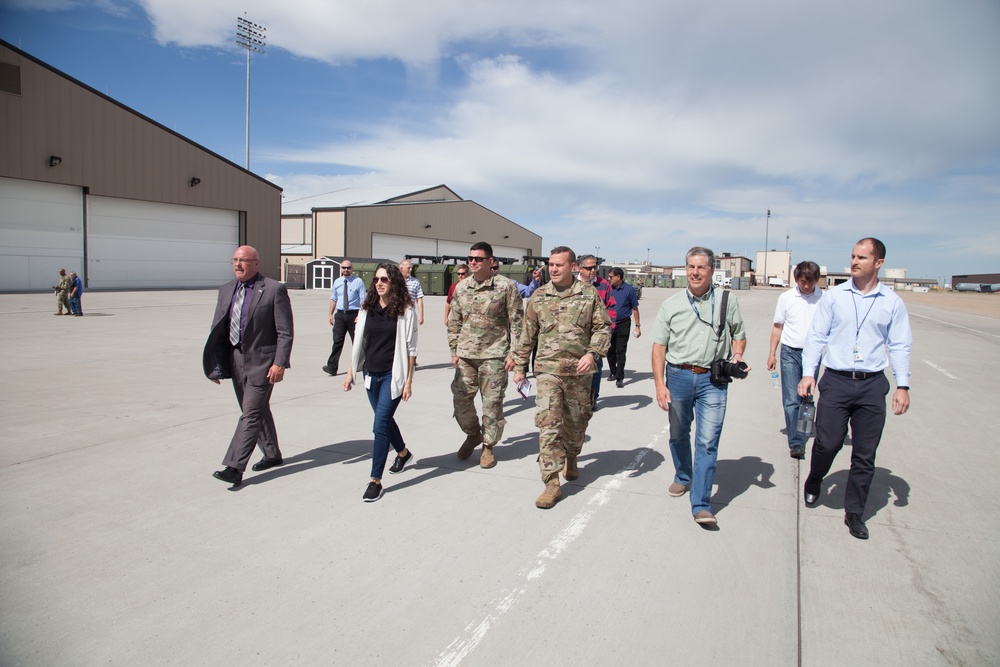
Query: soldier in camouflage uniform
pixel 485 316
pixel 568 320
pixel 62 293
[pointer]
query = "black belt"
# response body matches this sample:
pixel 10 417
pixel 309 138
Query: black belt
pixel 348 311
pixel 623 319
pixel 855 375
pixel 797 349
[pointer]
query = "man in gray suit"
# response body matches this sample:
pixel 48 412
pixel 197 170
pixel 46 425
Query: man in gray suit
pixel 250 342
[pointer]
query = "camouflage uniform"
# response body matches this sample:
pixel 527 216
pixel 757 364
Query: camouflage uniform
pixel 62 294
pixel 483 319
pixel 566 325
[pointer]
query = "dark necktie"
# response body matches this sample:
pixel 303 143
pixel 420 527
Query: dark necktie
pixel 345 295
pixel 236 314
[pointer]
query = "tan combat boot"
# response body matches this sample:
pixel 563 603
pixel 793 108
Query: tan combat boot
pixel 486 459
pixel 469 446
pixel 570 471
pixel 551 495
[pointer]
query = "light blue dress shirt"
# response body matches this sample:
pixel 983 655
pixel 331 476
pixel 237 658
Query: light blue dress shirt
pixel 857 330
pixel 355 293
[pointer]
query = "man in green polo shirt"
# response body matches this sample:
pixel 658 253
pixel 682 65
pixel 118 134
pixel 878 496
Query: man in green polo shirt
pixel 689 334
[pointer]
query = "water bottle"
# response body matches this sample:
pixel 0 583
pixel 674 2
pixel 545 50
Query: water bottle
pixel 775 382
pixel 807 417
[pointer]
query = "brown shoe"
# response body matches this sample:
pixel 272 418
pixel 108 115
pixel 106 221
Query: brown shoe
pixel 570 471
pixel 469 446
pixel 486 459
pixel 705 518
pixel 677 489
pixel 550 496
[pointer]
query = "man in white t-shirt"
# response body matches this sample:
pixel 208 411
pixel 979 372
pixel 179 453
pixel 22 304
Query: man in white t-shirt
pixel 792 317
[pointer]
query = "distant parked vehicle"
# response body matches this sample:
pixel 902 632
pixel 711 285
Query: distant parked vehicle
pixel 777 282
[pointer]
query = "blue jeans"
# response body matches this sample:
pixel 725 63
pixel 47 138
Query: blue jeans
pixel 791 373
pixel 74 305
pixel 693 397
pixel 385 429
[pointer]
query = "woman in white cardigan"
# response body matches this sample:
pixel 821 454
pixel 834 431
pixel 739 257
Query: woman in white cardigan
pixel 385 353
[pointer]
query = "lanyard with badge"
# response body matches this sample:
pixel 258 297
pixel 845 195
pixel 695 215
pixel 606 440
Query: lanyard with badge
pixel 856 352
pixel 711 317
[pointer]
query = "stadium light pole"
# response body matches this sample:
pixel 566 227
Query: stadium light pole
pixel 251 37
pixel 766 226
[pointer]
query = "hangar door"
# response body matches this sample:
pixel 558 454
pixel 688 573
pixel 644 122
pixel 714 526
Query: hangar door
pixel 139 244
pixel 41 231
pixel 395 247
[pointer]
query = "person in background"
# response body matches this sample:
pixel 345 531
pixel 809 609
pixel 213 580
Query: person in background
pixel 587 268
pixel 62 293
pixel 461 273
pixel 414 288
pixel 626 305
pixel 386 358
pixel 75 294
pixel 346 297
pixel 792 317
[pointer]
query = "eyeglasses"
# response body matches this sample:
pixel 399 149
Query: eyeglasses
pixel 382 279
pixel 588 268
pixel 347 268
pixel 470 259
pixel 240 260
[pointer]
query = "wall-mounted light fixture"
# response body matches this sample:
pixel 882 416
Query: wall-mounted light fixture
pixel 427 226
pixel 473 233
pixel 506 236
pixel 195 181
pixel 55 160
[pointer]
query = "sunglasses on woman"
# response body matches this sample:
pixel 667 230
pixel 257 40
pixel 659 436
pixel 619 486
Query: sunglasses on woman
pixel 382 279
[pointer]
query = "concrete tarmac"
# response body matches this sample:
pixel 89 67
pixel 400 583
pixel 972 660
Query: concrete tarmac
pixel 119 548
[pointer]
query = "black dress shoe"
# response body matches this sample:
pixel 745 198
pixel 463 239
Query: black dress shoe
pixel 229 475
pixel 797 452
pixel 266 463
pixel 810 497
pixel 329 371
pixel 611 377
pixel 856 525
pixel 619 384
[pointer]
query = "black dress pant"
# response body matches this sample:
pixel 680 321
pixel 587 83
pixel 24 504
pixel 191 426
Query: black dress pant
pixel 343 324
pixel 861 403
pixel 619 345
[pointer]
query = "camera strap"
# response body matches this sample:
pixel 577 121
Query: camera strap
pixel 722 315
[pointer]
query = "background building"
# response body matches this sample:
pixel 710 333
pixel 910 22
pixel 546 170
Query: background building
pixel 93 186
pixel 776 264
pixel 393 222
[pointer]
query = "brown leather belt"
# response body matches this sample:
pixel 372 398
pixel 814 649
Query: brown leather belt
pixel 694 369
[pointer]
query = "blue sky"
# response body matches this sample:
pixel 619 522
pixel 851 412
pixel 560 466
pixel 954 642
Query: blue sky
pixel 635 126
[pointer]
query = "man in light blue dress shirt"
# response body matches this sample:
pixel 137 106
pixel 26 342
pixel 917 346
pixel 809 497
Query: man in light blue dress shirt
pixel 857 322
pixel 346 297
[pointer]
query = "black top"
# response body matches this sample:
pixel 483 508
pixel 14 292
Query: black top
pixel 379 340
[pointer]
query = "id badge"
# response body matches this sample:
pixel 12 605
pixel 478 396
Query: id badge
pixel 857 354
pixel 368 381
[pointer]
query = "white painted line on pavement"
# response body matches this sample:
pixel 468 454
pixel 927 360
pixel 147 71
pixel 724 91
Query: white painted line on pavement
pixel 474 633
pixel 957 326
pixel 938 368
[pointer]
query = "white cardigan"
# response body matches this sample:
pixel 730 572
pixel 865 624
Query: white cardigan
pixel 406 347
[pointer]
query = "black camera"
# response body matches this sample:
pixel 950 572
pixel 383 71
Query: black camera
pixel 724 371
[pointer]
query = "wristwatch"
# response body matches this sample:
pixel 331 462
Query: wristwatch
pixel 902 387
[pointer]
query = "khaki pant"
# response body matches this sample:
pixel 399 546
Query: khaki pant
pixel 486 377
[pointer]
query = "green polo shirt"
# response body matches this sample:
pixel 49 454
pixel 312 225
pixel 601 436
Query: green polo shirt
pixel 693 338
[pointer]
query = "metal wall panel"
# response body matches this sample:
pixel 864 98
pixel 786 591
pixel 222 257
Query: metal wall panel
pixel 140 244
pixel 41 231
